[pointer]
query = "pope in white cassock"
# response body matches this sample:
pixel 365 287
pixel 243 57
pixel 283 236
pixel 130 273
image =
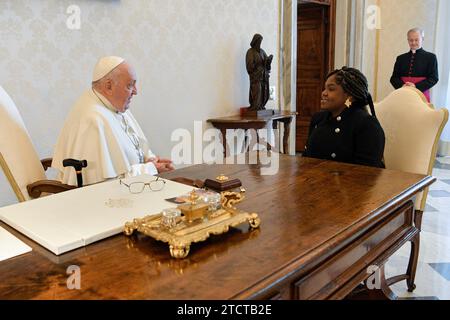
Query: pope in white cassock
pixel 101 130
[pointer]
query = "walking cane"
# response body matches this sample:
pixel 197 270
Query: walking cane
pixel 78 166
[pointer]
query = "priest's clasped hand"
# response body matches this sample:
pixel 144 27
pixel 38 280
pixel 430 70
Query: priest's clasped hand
pixel 162 165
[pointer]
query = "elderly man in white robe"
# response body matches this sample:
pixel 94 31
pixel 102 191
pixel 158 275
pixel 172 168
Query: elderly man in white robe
pixel 101 130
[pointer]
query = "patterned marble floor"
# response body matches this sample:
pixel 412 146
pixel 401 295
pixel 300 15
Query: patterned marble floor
pixel 433 271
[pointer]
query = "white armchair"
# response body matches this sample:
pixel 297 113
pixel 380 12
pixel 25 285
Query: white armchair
pixel 18 158
pixel 412 128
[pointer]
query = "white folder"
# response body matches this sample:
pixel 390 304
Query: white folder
pixel 10 246
pixel 79 217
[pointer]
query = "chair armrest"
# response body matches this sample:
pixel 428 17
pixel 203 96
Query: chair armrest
pixel 49 186
pixel 46 163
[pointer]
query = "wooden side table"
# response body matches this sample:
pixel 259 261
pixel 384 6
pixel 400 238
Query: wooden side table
pixel 256 123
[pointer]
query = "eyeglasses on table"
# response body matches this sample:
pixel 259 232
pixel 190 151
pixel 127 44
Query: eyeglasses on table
pixel 138 187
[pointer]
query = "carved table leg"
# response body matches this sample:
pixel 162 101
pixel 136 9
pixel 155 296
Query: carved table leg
pixel 246 143
pixel 287 132
pixel 387 292
pixel 277 137
pixel 410 274
pixel 418 219
pixel 380 292
pixel 412 264
pixel 257 146
pixel 224 141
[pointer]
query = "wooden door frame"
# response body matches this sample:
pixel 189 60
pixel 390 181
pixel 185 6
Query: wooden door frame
pixel 331 27
pixel 323 15
pixel 288 55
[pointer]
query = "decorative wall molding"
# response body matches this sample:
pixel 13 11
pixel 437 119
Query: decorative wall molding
pixel 288 62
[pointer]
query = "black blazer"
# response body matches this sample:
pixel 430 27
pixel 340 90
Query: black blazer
pixel 354 137
pixel 425 65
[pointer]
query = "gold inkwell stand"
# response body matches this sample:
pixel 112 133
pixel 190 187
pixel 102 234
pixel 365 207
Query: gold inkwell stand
pixel 194 209
pixel 203 214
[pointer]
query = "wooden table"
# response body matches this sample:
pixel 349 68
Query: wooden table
pixel 255 123
pixel 322 224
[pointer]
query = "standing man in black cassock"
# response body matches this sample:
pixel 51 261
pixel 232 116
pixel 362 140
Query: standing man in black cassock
pixel 416 68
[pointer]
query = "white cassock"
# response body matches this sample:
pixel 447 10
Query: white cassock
pixel 112 143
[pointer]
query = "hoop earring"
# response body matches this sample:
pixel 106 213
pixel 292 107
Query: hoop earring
pixel 348 103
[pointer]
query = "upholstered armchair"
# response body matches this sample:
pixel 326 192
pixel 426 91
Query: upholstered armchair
pixel 412 128
pixel 18 157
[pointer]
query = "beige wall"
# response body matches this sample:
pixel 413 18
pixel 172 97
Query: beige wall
pixel 369 51
pixel 189 56
pixel 355 48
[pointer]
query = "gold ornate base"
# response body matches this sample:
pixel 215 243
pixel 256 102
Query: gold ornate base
pixel 185 233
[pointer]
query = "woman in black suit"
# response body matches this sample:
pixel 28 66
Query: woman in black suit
pixel 344 130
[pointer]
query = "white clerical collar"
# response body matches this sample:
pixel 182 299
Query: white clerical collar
pixel 104 101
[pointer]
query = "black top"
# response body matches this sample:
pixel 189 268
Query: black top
pixel 420 64
pixel 354 137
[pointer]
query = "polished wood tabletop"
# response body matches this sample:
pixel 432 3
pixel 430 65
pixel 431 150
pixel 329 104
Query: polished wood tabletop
pixel 310 210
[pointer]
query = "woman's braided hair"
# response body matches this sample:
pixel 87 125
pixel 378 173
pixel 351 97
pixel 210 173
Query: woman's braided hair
pixel 355 84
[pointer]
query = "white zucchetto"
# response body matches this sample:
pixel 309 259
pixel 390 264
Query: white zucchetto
pixel 105 65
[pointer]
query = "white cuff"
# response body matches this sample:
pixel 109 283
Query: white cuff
pixel 143 168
